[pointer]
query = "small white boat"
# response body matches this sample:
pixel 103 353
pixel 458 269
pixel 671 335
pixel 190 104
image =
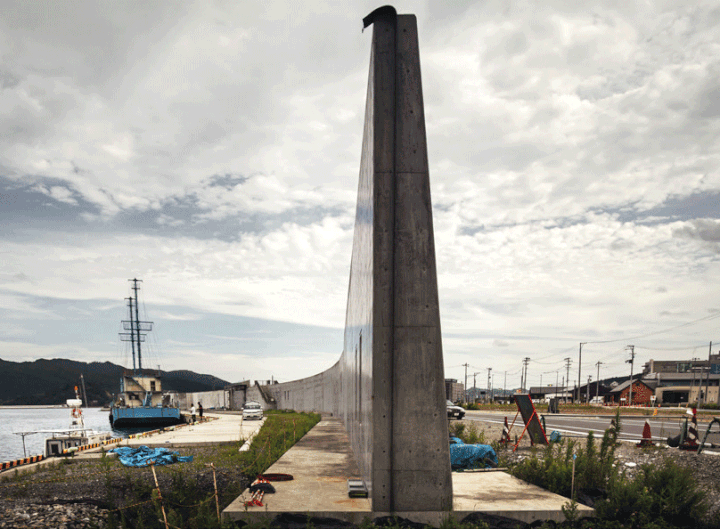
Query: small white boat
pixel 68 438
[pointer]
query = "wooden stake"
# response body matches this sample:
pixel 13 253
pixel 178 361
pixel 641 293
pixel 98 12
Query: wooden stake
pixel 217 502
pixel 152 467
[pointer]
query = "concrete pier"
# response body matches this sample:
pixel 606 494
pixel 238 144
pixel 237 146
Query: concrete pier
pixel 322 462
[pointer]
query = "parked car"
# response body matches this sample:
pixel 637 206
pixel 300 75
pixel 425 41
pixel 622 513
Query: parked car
pixel 252 410
pixel 454 411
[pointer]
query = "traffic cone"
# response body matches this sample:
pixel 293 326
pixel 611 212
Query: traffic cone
pixel 505 437
pixel 691 442
pixel 647 437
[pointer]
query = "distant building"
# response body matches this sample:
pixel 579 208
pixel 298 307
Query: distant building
pixel 643 393
pixel 684 381
pixel 454 390
pixel 549 392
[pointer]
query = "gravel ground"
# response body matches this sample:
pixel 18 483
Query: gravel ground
pixel 82 494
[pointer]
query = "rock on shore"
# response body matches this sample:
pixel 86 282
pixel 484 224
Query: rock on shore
pixel 61 516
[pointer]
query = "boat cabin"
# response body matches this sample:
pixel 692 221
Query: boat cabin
pixel 141 389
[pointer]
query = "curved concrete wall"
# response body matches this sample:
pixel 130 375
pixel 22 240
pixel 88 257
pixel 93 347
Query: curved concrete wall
pixel 388 386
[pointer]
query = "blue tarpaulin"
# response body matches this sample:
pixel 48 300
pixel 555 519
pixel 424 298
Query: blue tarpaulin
pixel 141 456
pixel 464 456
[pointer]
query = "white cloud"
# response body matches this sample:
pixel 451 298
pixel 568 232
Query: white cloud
pixel 552 130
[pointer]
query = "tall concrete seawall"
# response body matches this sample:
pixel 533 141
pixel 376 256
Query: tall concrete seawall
pixel 388 385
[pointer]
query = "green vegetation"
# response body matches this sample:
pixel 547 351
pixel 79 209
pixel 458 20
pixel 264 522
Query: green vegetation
pixel 189 499
pixel 663 497
pixel 467 432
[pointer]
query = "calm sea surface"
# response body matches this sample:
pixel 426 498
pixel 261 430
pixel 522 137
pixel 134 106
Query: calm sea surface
pixel 28 419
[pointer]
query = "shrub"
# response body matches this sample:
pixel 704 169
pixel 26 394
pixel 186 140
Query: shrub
pixel 667 496
pixel 594 470
pixel 468 432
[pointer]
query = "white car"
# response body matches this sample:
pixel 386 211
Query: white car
pixel 454 411
pixel 252 410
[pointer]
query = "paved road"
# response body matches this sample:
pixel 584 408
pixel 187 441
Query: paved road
pixel 580 425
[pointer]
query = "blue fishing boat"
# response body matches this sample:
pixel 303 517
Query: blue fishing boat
pixel 141 401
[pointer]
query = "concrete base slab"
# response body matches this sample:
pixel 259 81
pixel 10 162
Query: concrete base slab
pixel 322 462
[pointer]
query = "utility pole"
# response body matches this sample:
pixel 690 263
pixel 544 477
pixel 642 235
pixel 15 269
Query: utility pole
pixel 487 391
pixel 580 369
pixel 597 388
pixel 475 386
pixel 526 361
pixel 505 385
pixel 568 361
pixel 631 362
pixel 465 387
pixel 707 378
pixel 587 393
pixel 556 381
pixel 492 389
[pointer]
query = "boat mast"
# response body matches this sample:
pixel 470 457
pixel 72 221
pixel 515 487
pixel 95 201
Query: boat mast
pixel 85 401
pixel 137 321
pixel 132 332
pixel 134 325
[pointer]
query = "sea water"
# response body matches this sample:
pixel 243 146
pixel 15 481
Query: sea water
pixel 17 419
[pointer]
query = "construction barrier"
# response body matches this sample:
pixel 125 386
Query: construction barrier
pixel 82 448
pixel 646 436
pixel 19 462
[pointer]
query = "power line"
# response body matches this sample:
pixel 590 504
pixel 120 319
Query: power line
pixel 706 318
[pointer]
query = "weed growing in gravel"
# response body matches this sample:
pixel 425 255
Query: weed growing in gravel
pixel 662 497
pixel 667 496
pixel 467 432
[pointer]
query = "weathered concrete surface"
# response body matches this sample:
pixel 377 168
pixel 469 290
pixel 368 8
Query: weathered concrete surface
pixel 388 386
pixel 322 462
pixel 224 428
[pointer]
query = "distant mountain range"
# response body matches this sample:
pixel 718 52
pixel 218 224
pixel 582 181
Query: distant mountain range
pixel 52 381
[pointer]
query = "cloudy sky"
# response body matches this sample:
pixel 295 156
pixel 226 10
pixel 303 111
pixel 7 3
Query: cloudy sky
pixel 212 150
